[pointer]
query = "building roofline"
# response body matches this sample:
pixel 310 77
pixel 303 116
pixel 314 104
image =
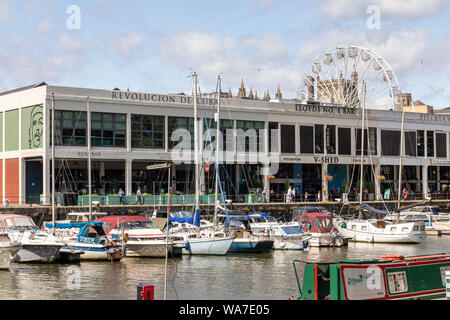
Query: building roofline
pixel 23 88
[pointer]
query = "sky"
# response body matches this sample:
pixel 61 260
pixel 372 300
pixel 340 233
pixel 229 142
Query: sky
pixel 154 46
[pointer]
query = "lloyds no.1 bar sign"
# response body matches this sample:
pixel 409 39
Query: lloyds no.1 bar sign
pixel 325 109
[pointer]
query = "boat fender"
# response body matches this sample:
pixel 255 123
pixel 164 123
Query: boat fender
pixel 305 244
pixel 187 246
pixel 282 244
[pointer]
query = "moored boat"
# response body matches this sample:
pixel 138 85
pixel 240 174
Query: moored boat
pixel 321 229
pixel 7 250
pixel 380 231
pixel 142 238
pixel 387 278
pixel 91 240
pixel 37 246
pixel 286 236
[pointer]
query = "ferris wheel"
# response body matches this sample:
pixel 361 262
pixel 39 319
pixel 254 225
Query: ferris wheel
pixel 338 75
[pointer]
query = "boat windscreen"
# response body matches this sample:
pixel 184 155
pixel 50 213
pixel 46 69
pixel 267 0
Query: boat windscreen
pixel 136 225
pixel 292 230
pixel 324 222
pixel 23 222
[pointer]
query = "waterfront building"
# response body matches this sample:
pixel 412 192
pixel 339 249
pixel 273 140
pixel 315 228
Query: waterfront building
pixel 318 145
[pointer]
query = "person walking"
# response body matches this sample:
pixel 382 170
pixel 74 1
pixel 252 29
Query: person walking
pixel 293 195
pixel 289 194
pixel 138 196
pixel 122 196
pixel 306 196
pixel 264 192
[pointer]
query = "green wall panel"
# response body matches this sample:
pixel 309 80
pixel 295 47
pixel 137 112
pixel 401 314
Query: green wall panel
pixel 12 130
pixel 32 127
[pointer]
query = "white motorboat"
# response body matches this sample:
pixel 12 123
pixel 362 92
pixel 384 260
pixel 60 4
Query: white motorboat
pixel 91 240
pixel 141 236
pixel 37 245
pixel 428 214
pixel 380 231
pixel 7 250
pixel 286 236
pixel 322 230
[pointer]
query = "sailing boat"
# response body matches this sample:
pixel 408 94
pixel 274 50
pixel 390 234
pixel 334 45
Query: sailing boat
pixel 210 241
pixel 380 231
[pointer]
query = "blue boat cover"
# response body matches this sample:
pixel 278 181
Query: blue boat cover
pixel 366 207
pixel 78 225
pixel 185 217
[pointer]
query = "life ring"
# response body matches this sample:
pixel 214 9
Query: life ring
pixel 126 237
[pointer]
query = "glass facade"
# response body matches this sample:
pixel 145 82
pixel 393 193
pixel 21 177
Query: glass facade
pixel 147 131
pixel 108 129
pixel 70 128
pixel 245 142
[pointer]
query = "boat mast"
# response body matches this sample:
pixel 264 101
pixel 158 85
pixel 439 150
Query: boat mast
pixel 400 169
pixel 216 195
pixel 53 163
pixel 169 202
pixel 361 178
pixel 196 147
pixel 89 157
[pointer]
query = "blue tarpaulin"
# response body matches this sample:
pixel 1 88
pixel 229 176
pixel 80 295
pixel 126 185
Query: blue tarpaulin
pixel 185 217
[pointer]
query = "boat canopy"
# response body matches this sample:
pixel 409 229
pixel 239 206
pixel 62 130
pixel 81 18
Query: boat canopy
pixel 317 222
pixel 185 217
pixel 111 222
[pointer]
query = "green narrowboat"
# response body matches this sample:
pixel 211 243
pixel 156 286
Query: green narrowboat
pixel 390 277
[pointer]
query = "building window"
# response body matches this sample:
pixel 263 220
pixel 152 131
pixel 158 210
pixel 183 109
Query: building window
pixel 318 138
pixel 147 131
pixel 108 129
pixel 410 144
pixel 373 141
pixel 397 282
pixel 288 140
pixel 420 143
pixel 306 139
pixel 344 141
pixel 390 143
pixel 358 141
pixel 70 128
pixel 441 145
pixel 249 137
pixel 226 129
pixel 430 143
pixel 175 123
pixel 273 137
pixel 331 139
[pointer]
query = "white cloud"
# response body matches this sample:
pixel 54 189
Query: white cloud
pixel 340 9
pixel 129 43
pixel 43 26
pixel 4 11
pixel 268 45
pixel 209 55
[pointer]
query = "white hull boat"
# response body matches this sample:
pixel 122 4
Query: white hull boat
pixel 37 246
pixel 152 249
pixel 7 250
pixel 207 246
pixel 374 231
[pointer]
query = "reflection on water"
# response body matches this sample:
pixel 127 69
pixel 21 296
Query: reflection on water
pixel 233 277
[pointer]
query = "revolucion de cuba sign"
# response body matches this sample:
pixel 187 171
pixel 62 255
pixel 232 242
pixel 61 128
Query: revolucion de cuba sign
pixel 165 98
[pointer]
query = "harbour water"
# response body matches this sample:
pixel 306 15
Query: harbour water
pixel 267 276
